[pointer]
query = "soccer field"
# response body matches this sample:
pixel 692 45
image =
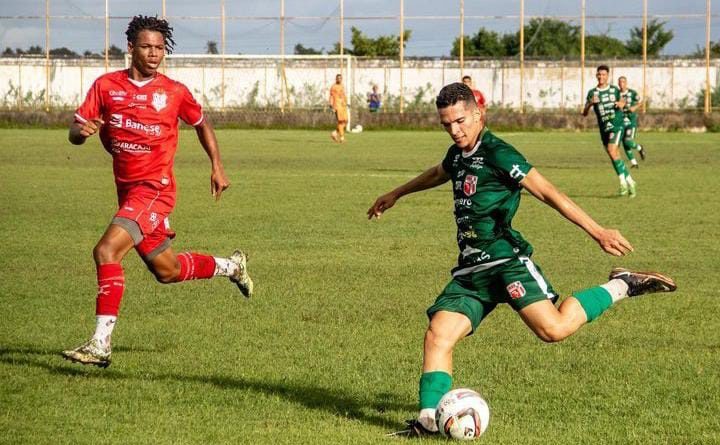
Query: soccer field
pixel 328 351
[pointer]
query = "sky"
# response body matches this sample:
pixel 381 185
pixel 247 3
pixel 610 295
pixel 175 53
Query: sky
pixel 251 27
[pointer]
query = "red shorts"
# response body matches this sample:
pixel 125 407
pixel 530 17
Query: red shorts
pixel 144 212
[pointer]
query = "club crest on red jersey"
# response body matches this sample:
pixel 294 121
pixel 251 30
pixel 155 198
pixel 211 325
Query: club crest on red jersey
pixel 159 100
pixel 516 290
pixel 470 185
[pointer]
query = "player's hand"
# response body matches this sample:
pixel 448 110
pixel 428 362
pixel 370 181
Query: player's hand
pixel 218 182
pixel 612 242
pixel 381 204
pixel 90 127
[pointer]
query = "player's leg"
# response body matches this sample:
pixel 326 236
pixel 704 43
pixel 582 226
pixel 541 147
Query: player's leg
pixel 629 145
pixel 456 313
pixel 640 148
pixel 627 184
pixel 108 254
pixel 552 324
pixel 341 130
pixel 169 267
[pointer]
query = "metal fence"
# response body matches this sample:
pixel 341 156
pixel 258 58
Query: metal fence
pixel 50 82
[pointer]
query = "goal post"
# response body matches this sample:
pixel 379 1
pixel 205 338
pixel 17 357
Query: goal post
pixel 287 82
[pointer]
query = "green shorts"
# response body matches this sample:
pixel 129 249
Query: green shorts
pixel 518 282
pixel 629 132
pixel 612 136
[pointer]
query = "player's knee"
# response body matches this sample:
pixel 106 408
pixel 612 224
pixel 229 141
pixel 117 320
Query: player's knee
pixel 552 332
pixel 436 340
pixel 165 276
pixel 104 253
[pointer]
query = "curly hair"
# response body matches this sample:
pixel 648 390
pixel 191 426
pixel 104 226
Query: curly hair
pixel 143 22
pixel 454 93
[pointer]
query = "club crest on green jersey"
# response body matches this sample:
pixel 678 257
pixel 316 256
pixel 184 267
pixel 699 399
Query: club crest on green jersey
pixel 470 185
pixel 516 290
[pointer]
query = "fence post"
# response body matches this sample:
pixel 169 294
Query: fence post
pixel 644 58
pixel 47 55
pixel 107 35
pixel 462 38
pixel 402 53
pixel 222 59
pixel 582 53
pixel 708 96
pixel 522 56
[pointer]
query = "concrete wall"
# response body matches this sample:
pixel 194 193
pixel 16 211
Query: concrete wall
pixel 259 82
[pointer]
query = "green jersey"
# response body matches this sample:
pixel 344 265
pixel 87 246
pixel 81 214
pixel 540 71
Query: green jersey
pixel 608 116
pixel 632 98
pixel 486 188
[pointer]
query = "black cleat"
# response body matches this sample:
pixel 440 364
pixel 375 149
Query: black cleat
pixel 413 428
pixel 640 283
pixel 641 152
pixel 635 166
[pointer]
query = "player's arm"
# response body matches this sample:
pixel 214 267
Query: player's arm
pixel 218 180
pixel 637 105
pixel 80 131
pixel 610 240
pixel 430 178
pixel 588 105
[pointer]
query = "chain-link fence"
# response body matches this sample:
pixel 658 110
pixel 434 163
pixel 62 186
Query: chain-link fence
pixel 284 81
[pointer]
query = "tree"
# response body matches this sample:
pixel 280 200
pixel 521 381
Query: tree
pixel 211 47
pixel 657 38
pixel 699 52
pixel 604 46
pixel 551 38
pixel 303 51
pixel 381 46
pixel 114 51
pixel 63 52
pixel 8 52
pixel 484 43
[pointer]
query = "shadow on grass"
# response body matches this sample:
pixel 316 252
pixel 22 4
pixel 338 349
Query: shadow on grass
pixel 369 410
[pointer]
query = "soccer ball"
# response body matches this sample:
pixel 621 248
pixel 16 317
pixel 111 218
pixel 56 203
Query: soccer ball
pixel 462 414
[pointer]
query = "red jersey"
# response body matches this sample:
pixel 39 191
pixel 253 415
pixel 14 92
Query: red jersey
pixel 141 125
pixel 479 98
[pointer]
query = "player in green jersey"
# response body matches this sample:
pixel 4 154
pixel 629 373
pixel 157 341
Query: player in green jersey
pixel 494 264
pixel 630 120
pixel 607 103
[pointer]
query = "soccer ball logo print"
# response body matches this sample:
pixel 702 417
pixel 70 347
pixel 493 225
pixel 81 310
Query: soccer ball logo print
pixel 516 290
pixel 470 185
pixel 159 100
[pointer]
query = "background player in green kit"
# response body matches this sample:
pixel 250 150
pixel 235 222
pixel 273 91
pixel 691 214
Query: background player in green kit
pixel 632 103
pixel 606 102
pixel 494 264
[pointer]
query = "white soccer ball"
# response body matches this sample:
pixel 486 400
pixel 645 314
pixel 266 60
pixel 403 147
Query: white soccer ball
pixel 462 414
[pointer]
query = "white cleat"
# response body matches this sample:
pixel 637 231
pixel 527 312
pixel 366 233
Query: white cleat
pixel 90 353
pixel 241 276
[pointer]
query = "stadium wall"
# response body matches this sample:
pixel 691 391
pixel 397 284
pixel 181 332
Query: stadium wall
pixel 259 82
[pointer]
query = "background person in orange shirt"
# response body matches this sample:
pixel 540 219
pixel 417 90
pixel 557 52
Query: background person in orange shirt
pixel 338 102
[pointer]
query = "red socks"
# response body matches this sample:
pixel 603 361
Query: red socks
pixel 111 280
pixel 111 284
pixel 194 266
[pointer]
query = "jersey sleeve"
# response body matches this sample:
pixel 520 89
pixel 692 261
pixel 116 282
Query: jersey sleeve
pixel 91 108
pixel 589 96
pixel 510 163
pixel 190 111
pixel 447 162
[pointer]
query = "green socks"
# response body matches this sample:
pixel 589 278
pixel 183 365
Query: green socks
pixel 594 301
pixel 619 167
pixel 434 385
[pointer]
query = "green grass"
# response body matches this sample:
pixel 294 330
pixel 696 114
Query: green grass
pixel 329 350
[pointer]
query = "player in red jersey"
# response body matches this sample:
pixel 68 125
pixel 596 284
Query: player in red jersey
pixel 479 98
pixel 135 112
